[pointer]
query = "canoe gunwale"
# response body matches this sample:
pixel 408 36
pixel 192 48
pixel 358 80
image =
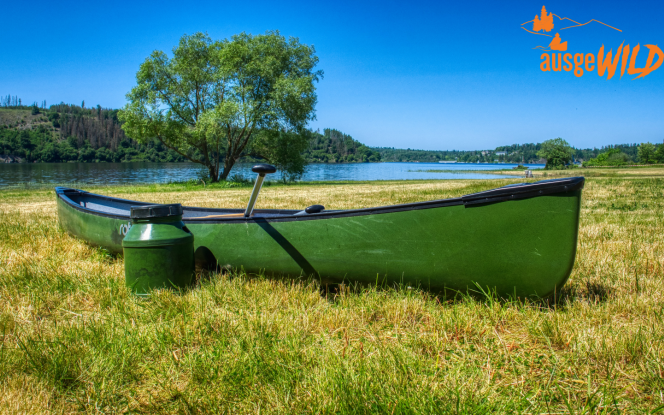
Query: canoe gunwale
pixel 64 192
pixel 511 192
pixel 524 192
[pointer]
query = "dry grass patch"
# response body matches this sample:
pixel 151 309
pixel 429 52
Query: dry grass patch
pixel 636 172
pixel 623 172
pixel 74 340
pixel 333 196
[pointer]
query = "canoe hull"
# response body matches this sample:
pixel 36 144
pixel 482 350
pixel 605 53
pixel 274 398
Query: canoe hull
pixel 524 247
pixel 99 230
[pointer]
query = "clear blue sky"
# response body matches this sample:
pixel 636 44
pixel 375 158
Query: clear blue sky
pixel 428 75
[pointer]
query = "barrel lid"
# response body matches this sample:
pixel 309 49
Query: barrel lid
pixel 155 211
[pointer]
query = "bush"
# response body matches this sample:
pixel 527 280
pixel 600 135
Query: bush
pixel 67 152
pixel 659 154
pixel 86 154
pixel 612 157
pixel 50 154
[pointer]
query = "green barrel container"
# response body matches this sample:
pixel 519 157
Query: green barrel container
pixel 158 249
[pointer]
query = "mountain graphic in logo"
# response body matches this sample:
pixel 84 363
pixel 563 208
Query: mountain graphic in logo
pixel 544 22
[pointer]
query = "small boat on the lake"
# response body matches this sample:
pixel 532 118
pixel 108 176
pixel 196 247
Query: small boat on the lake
pixel 516 240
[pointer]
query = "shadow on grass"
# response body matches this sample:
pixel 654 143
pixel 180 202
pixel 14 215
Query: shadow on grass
pixel 590 292
pixel 209 269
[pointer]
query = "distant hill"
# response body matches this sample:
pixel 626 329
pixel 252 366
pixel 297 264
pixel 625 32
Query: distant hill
pixel 516 153
pixel 426 156
pixel 333 146
pixel 66 133
pixel 72 133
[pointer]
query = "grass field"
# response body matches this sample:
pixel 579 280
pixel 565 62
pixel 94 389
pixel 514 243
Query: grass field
pixel 605 172
pixel 74 340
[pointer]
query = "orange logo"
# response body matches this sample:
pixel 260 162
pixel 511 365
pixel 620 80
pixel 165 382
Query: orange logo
pixel 606 63
pixel 543 23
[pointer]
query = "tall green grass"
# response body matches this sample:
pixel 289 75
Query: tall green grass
pixel 74 340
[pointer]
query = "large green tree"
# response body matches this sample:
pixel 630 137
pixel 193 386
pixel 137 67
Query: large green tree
pixel 211 98
pixel 284 149
pixel 557 152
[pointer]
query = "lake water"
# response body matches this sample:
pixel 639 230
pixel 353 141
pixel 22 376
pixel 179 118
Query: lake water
pixel 118 173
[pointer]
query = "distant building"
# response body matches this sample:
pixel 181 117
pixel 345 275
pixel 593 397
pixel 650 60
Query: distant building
pixel 501 153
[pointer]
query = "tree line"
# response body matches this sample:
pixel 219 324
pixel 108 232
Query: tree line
pixel 73 133
pixel 43 145
pixel 515 153
pixel 13 101
pixel 559 155
pixel 644 153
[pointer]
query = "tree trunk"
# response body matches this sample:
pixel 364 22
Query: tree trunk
pixel 232 156
pixel 228 165
pixel 214 173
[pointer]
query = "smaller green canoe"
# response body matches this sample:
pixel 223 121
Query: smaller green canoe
pixel 517 240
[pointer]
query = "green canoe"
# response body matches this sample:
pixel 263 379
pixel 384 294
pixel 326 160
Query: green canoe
pixel 517 240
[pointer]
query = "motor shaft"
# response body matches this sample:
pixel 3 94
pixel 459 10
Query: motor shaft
pixel 262 170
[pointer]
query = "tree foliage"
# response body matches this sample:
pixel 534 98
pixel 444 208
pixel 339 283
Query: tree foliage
pixel 612 157
pixel 647 153
pixel 333 146
pixel 659 153
pixel 284 149
pixel 211 98
pixel 70 133
pixel 557 152
pixel 43 145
